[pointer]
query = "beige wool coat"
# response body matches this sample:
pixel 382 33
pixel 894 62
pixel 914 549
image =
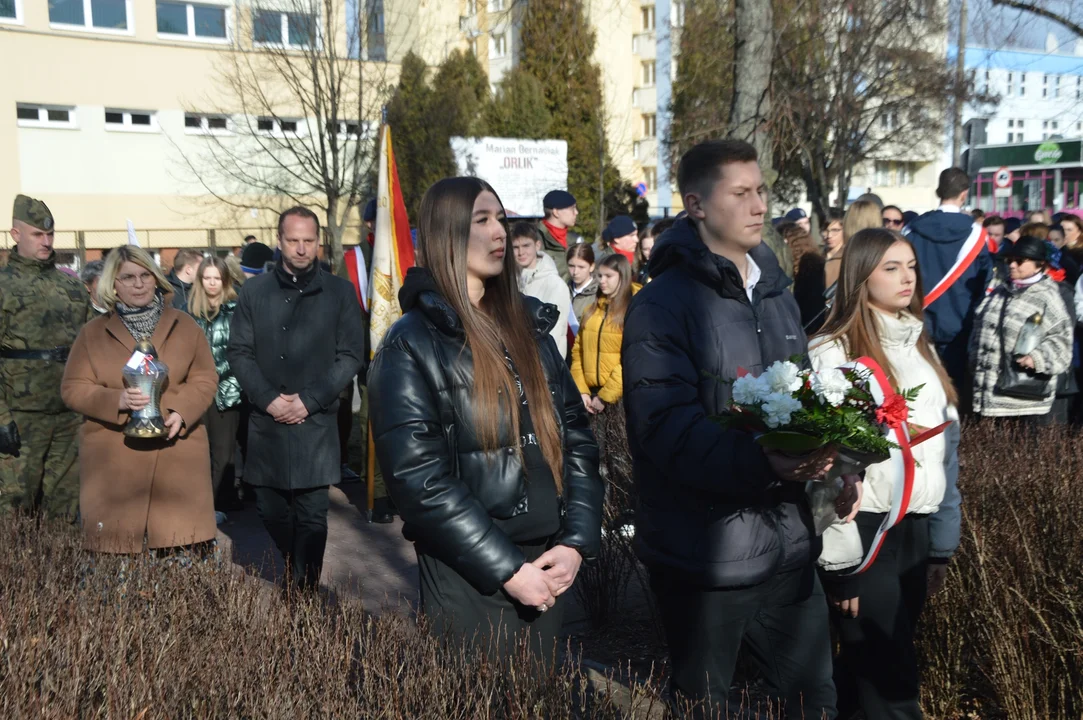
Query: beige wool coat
pixel 128 486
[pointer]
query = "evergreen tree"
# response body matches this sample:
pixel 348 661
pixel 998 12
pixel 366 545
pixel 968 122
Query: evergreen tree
pixel 558 50
pixel 460 96
pixel 421 151
pixel 519 109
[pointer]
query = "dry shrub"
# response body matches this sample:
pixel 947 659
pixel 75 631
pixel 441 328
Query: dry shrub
pixel 104 637
pixel 1005 638
pixel 602 588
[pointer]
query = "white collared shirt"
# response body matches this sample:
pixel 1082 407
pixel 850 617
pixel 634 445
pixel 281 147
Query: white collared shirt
pixel 948 207
pixel 754 274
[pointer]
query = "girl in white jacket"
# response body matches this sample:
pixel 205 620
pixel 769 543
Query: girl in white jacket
pixel 878 314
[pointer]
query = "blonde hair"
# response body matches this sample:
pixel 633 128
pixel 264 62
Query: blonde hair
pixel 118 256
pixel 199 304
pixel 235 270
pixel 862 215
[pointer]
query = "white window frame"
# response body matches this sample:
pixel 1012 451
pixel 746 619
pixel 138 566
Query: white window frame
pixel 498 45
pixel 71 124
pixel 18 19
pixel 204 126
pixel 648 18
pixel 190 36
pixel 1056 86
pixel 90 27
pixel 285 30
pixel 1011 86
pixel 650 178
pixel 649 68
pixel 471 8
pixel 277 131
pixel 676 14
pixel 650 125
pixel 126 123
pixel 366 129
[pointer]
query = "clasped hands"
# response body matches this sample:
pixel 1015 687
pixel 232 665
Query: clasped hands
pixel 288 410
pixel 133 399
pixel 538 584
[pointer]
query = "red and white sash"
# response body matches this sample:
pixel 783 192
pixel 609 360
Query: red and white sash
pixel 359 275
pixel 901 459
pixel 969 252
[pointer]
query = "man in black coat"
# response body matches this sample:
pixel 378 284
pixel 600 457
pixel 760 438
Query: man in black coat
pixel 296 341
pixel 723 527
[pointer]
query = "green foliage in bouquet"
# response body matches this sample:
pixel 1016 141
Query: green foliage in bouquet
pixel 797 411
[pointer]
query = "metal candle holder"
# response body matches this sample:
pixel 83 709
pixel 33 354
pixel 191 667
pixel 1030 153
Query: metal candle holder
pixel 148 375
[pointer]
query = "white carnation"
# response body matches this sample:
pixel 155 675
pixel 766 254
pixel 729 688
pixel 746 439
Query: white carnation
pixel 778 407
pixel 749 390
pixel 783 377
pixel 831 386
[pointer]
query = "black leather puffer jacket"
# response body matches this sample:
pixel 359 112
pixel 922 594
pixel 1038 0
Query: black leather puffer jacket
pixel 447 488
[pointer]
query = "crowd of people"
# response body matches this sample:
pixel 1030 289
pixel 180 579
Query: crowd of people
pixel 480 397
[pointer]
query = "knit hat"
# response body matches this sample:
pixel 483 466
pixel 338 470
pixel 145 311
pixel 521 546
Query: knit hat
pixel 254 257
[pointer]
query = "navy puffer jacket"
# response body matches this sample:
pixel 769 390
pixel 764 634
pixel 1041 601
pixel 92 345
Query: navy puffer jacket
pixel 710 508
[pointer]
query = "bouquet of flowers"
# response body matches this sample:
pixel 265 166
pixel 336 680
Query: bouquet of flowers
pixel 798 411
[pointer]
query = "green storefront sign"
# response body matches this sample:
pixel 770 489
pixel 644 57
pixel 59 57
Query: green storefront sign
pixel 1066 152
pixel 1048 153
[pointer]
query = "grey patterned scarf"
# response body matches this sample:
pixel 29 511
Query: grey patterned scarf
pixel 142 321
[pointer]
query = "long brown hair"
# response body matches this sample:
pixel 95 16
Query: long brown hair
pixel 801 244
pixel 618 304
pixel 853 320
pixel 201 306
pixel 501 321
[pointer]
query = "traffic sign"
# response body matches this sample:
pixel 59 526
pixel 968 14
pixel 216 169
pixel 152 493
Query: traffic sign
pixel 641 189
pixel 1002 178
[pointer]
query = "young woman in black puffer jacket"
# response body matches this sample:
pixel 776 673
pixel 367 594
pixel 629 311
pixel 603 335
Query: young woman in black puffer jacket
pixel 481 433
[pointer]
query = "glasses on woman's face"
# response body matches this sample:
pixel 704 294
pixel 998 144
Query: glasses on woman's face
pixel 892 222
pixel 833 231
pixel 143 278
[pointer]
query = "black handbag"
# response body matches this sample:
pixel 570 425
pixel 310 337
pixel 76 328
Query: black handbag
pixel 1017 382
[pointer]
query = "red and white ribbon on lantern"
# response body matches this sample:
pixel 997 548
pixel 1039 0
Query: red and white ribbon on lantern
pixel 901 458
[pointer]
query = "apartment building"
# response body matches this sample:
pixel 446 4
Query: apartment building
pixel 1041 94
pixel 108 104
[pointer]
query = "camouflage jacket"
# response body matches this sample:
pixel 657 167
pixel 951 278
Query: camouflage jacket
pixel 40 308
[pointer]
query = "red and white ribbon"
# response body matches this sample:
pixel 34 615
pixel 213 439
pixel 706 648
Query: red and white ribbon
pixel 968 253
pixel 901 458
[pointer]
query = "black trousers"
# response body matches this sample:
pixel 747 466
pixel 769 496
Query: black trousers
pixel 297 522
pixel 494 623
pixel 783 622
pixel 222 433
pixel 876 669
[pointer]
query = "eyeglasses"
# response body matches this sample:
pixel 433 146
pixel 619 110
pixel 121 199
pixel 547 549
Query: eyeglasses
pixel 832 231
pixel 890 222
pixel 144 278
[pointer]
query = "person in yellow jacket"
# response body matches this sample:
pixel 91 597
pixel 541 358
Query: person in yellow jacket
pixel 596 354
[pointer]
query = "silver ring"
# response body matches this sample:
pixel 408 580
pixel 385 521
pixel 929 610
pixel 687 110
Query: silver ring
pixel 543 608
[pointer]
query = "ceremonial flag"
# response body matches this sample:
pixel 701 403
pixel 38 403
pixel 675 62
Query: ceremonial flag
pixel 393 250
pixel 392 256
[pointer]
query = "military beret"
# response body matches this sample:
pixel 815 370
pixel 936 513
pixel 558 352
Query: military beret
pixel 558 200
pixel 795 215
pixel 32 212
pixel 620 226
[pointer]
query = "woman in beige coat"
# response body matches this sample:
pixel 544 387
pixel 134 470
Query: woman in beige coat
pixel 137 493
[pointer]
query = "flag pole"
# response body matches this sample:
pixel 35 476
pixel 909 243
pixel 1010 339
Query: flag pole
pixel 371 472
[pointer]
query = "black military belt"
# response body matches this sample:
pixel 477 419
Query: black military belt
pixel 57 354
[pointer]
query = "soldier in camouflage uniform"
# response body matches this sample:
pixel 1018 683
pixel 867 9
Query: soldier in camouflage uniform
pixel 41 312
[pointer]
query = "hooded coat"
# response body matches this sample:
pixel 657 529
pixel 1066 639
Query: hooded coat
pixel 596 363
pixel 449 490
pixel 937 237
pixel 544 283
pixel 710 508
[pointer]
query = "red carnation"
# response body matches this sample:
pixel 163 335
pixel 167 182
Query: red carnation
pixel 1057 274
pixel 893 412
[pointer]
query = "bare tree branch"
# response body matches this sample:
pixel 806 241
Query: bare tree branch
pixel 1043 12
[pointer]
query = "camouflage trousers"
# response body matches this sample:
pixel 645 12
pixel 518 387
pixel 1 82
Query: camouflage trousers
pixel 44 476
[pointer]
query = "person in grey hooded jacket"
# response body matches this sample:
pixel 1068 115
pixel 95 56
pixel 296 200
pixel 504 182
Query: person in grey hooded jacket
pixel 539 278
